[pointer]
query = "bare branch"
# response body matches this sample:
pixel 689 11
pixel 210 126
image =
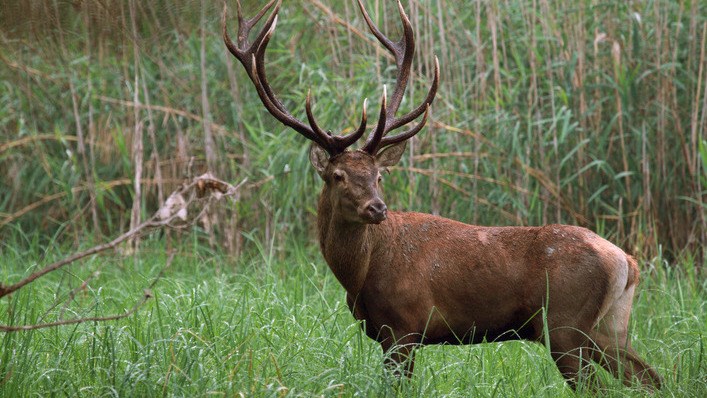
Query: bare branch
pixel 147 294
pixel 193 197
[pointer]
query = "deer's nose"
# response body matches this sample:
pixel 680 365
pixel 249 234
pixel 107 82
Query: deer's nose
pixel 376 210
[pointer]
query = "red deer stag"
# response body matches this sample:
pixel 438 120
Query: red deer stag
pixel 419 279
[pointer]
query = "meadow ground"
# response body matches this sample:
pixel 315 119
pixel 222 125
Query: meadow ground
pixel 267 326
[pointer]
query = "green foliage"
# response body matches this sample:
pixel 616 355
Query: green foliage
pixel 282 328
pixel 569 112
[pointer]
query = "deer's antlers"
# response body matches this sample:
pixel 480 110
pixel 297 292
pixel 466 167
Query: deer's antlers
pixel 252 56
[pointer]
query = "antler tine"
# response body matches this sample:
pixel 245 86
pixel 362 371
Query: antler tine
pixel 348 140
pixel 374 139
pixel 252 57
pixel 338 144
pixel 404 62
pixel 243 48
pixel 390 140
pixel 271 102
pixel 244 26
pixel 374 29
pixel 402 52
pixel 310 116
pixel 415 113
pixel 268 101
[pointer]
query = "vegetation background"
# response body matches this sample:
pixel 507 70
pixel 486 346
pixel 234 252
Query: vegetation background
pixel 583 112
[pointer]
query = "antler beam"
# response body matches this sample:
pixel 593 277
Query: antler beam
pixel 252 56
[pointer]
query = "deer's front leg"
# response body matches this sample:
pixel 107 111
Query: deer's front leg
pixel 400 355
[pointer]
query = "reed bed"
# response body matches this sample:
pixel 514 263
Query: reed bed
pixel 589 113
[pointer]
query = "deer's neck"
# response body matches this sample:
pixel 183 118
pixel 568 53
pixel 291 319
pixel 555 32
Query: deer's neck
pixel 346 246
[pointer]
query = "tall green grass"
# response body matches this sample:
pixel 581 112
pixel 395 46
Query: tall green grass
pixel 261 326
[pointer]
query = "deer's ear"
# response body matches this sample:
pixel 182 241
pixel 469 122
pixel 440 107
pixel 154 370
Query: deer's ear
pixel 319 158
pixel 391 155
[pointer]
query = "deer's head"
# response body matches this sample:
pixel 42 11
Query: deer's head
pixel 353 181
pixel 352 178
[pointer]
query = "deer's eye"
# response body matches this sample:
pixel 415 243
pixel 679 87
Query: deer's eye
pixel 338 175
pixel 380 178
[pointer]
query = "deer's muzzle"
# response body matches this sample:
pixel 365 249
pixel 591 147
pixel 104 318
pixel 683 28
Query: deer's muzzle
pixel 375 211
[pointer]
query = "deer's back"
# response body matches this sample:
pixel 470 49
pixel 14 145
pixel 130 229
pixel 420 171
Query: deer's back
pixel 444 276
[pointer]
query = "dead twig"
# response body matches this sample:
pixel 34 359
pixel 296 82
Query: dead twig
pixel 163 109
pixel 147 294
pixel 33 138
pixel 182 209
